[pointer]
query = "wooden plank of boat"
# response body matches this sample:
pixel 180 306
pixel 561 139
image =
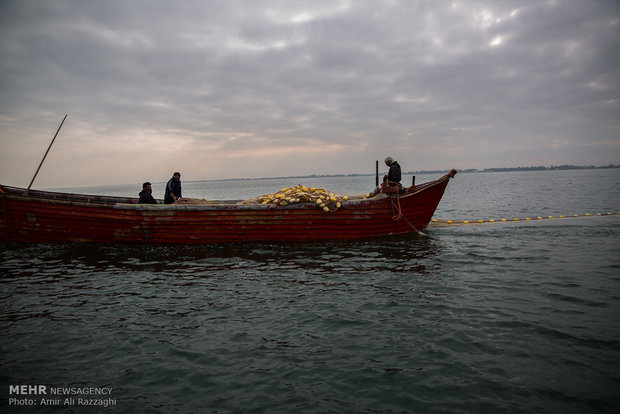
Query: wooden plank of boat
pixel 43 216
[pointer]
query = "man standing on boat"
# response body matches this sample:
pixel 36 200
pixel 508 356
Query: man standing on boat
pixel 394 175
pixel 146 196
pixel 173 189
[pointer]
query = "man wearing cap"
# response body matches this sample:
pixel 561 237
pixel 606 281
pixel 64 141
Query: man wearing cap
pixel 173 189
pixel 394 174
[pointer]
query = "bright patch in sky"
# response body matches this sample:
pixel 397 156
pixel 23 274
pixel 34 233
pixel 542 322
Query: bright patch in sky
pixel 301 18
pixel 496 41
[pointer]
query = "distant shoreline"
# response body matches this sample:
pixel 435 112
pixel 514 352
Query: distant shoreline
pixel 421 172
pixel 469 170
pixel 541 168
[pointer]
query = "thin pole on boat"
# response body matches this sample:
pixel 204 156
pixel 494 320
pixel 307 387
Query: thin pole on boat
pixel 377 173
pixel 48 150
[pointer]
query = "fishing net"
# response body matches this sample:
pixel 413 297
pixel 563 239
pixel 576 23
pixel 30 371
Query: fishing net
pixel 325 199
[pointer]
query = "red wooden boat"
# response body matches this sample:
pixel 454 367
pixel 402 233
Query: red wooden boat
pixel 43 216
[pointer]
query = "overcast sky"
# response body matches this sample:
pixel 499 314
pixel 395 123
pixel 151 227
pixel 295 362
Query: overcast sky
pixel 223 89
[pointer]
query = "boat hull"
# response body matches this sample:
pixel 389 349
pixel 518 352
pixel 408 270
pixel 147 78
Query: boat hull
pixel 58 217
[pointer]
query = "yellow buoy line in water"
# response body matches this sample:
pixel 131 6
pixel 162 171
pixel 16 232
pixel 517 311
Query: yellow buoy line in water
pixel 439 222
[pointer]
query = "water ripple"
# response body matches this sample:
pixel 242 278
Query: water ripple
pixel 465 320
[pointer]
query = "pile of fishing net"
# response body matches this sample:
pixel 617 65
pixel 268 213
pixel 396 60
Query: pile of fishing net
pixel 325 199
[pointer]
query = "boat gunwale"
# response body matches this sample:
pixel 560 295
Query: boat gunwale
pixel 102 201
pixel 215 206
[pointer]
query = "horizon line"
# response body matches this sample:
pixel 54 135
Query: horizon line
pixel 440 171
pixel 465 170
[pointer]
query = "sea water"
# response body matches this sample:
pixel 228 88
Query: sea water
pixel 517 316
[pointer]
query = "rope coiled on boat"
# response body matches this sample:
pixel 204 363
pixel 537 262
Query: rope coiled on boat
pixel 393 190
pixel 390 187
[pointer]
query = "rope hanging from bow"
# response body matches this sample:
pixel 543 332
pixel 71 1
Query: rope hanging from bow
pixel 397 211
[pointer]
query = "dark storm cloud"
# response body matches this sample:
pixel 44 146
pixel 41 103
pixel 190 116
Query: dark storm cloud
pixel 465 84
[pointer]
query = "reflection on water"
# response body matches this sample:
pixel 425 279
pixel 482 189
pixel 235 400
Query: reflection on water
pixel 406 253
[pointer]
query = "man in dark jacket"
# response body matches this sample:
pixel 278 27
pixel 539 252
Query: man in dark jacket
pixel 394 174
pixel 173 189
pixel 146 196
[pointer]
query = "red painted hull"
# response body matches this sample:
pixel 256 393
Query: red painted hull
pixel 58 217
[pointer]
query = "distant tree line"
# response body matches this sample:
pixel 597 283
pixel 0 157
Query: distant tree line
pixel 470 170
pixel 542 168
pixel 473 170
